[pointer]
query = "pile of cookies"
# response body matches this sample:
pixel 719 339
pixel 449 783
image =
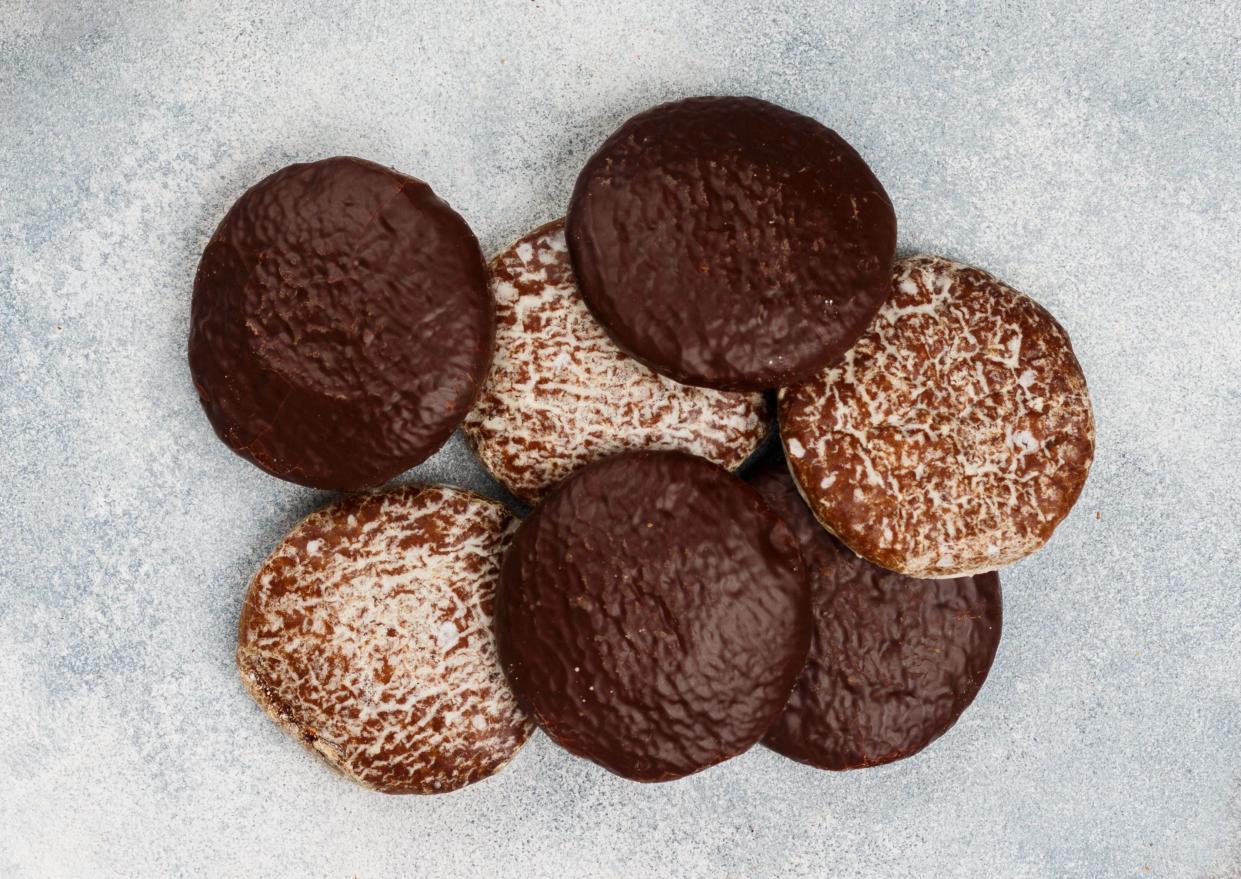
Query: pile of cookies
pixel 723 262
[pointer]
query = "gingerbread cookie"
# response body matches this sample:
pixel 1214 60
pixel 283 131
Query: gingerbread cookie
pixel 341 324
pixel 954 436
pixel 561 394
pixel 367 636
pixel 653 614
pixel 731 243
pixel 894 660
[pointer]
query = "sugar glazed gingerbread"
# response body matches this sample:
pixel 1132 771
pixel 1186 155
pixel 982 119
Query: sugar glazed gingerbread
pixel 730 243
pixel 561 394
pixel 954 436
pixel 653 614
pixel 341 324
pixel 367 636
pixel 894 660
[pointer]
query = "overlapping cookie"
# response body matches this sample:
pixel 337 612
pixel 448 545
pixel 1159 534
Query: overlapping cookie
pixel 560 394
pixel 954 436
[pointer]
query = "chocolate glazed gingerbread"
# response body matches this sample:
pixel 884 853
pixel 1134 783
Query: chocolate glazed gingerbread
pixel 341 324
pixel 653 614
pixel 730 243
pixel 894 661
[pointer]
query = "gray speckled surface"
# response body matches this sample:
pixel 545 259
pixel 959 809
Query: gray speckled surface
pixel 1088 154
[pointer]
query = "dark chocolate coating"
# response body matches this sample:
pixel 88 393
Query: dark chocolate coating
pixel 894 661
pixel 653 614
pixel 730 243
pixel 341 324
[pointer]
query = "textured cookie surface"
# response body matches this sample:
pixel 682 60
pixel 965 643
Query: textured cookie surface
pixel 367 636
pixel 954 436
pixel 561 394
pixel 731 243
pixel 894 660
pixel 653 614
pixel 341 324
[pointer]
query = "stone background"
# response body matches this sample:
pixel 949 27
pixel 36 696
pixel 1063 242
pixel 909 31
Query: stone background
pixel 1086 153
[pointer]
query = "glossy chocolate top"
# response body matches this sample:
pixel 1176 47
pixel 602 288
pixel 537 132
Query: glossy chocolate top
pixel 731 243
pixel 341 324
pixel 894 660
pixel 653 614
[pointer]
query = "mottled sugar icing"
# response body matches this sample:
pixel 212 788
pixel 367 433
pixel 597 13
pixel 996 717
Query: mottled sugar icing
pixel 954 436
pixel 367 635
pixel 561 394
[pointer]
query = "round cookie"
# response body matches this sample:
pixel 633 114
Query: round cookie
pixel 560 394
pixel 367 636
pixel 653 614
pixel 341 324
pixel 954 436
pixel 894 661
pixel 730 243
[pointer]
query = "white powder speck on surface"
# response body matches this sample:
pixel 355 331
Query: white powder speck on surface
pixel 1082 152
pixel 448 635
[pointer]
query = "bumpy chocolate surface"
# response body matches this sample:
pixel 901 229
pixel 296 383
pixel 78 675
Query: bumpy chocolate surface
pixel 367 635
pixel 894 660
pixel 561 394
pixel 731 243
pixel 653 614
pixel 341 324
pixel 954 436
